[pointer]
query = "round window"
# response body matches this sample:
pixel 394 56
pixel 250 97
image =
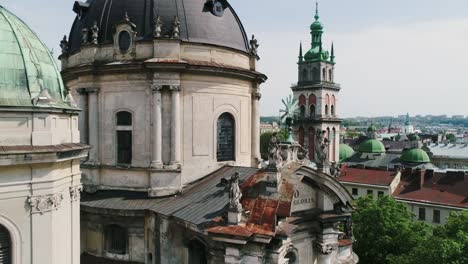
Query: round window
pixel 124 41
pixel 218 9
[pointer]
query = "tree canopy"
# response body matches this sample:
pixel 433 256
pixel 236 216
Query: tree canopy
pixel 385 233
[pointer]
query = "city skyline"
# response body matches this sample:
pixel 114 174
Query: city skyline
pixel 393 57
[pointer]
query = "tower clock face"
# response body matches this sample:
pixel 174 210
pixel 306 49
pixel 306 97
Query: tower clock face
pixel 218 9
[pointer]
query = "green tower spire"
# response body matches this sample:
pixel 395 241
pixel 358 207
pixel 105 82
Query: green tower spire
pixel 332 57
pixel 301 58
pixel 316 11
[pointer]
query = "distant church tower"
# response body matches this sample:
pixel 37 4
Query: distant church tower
pixel 317 95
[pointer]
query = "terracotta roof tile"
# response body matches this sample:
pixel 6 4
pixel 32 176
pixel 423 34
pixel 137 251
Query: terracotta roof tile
pixel 367 176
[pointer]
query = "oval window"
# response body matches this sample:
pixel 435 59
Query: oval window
pixel 124 41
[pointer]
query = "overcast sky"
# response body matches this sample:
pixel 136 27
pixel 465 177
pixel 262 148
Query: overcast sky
pixel 393 56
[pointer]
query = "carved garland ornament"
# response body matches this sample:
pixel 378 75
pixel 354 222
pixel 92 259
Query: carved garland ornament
pixel 45 203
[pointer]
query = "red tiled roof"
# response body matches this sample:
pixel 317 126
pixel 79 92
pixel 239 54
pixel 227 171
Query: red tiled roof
pixel 367 176
pixel 440 188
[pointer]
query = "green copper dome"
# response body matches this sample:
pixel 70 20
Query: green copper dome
pixel 414 137
pixel 415 156
pixel 372 146
pixel 29 76
pixel 345 152
pixel 316 54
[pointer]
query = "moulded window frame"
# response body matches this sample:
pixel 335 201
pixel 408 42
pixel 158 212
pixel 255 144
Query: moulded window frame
pixel 118 128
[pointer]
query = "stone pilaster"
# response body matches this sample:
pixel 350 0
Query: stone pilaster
pixel 157 128
pixel 255 147
pixel 93 125
pixel 175 126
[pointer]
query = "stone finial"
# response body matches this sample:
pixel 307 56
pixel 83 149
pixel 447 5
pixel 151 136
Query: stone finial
pixel 70 100
pixel 94 33
pixel 176 27
pixel 158 25
pixel 64 44
pixel 126 17
pixel 84 36
pixel 254 46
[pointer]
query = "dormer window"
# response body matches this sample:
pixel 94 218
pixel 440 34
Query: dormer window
pixel 124 41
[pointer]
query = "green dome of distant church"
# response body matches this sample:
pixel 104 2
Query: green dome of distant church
pixel 29 76
pixel 345 152
pixel 372 146
pixel 415 155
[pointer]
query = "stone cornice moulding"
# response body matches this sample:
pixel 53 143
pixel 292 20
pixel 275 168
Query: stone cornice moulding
pixel 45 203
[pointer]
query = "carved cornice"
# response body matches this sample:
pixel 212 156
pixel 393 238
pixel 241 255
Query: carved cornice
pixel 45 203
pixel 75 192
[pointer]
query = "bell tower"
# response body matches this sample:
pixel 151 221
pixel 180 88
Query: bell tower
pixel 317 95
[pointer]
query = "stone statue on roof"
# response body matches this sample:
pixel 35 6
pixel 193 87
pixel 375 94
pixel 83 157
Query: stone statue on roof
pixel 235 194
pixel 275 159
pixel 321 146
pixel 176 27
pixel 94 33
pixel 158 24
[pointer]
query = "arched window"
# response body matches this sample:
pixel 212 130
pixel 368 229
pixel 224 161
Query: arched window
pixel 5 246
pixel 311 143
pixel 330 75
pixel 301 136
pixel 332 110
pixel 116 240
pixel 312 111
pixel 305 74
pixel 326 109
pixel 333 138
pixel 303 111
pixel 124 138
pixel 316 74
pixel 197 252
pixel 324 74
pixel 226 130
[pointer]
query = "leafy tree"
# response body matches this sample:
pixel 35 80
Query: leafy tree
pixel 447 245
pixel 265 141
pixel 451 138
pixel 384 228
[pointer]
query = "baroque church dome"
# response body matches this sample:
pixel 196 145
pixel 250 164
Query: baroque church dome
pixel 372 146
pixel 29 75
pixel 201 21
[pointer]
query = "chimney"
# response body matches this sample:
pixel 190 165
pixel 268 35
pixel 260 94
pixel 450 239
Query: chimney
pixel 421 174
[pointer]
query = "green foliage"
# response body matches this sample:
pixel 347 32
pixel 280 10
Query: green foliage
pixel 447 245
pixel 451 138
pixel 384 228
pixel 386 234
pixel 265 141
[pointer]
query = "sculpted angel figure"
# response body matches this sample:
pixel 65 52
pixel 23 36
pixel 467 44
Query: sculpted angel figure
pixel 176 27
pixel 275 157
pixel 235 194
pixel 158 24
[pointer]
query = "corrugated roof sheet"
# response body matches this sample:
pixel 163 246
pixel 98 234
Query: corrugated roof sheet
pixel 459 151
pixel 199 203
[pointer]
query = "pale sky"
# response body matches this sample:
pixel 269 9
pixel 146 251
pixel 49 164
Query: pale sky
pixel 393 56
